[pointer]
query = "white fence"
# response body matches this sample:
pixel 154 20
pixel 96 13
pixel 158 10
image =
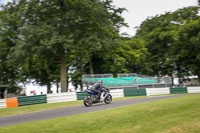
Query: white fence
pixel 117 93
pixel 157 91
pixel 61 97
pixel 2 103
pixel 193 89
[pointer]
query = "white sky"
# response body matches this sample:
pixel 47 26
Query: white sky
pixel 4 1
pixel 139 10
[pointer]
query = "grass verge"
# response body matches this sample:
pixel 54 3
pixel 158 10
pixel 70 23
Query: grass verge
pixel 174 115
pixel 42 107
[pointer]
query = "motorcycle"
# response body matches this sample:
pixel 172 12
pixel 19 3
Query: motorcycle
pixel 93 97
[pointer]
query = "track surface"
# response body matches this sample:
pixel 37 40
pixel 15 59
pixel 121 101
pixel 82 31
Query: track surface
pixel 61 112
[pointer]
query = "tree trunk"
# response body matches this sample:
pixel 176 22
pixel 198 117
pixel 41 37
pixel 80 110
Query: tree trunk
pixel 63 69
pixel 2 93
pixel 199 79
pixel 81 85
pixel 67 79
pixel 63 72
pixel 171 75
pixel 49 87
pixel 57 86
pixel 91 67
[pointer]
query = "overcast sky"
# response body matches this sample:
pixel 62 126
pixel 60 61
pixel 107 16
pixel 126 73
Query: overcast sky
pixel 139 10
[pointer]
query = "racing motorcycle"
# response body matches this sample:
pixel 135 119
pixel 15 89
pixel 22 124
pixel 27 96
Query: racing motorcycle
pixel 93 97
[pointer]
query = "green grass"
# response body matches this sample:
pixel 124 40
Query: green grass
pixel 37 107
pixel 174 115
pixel 41 107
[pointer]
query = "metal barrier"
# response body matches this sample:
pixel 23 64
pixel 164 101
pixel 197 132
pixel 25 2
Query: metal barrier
pixel 178 90
pixel 193 89
pixel 2 103
pixel 134 92
pixel 157 91
pixel 81 95
pixel 30 100
pixel 73 96
pixel 117 93
pixel 61 97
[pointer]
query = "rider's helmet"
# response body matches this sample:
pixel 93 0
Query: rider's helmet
pixel 100 82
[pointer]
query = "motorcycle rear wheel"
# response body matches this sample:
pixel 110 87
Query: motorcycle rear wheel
pixel 87 102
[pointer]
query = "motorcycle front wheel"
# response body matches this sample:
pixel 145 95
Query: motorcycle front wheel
pixel 87 102
pixel 108 99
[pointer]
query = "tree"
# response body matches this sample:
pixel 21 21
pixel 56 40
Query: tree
pixel 9 73
pixel 159 34
pixel 42 71
pixel 188 47
pixel 128 57
pixel 163 35
pixel 53 29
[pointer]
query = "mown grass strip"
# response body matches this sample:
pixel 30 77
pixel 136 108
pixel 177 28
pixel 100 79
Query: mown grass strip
pixel 174 115
pixel 42 107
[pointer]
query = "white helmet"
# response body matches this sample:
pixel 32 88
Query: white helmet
pixel 100 82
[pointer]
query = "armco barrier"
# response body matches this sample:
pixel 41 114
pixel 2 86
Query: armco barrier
pixel 157 91
pixel 134 92
pixel 193 89
pixel 30 100
pixel 117 93
pixel 2 103
pixel 61 97
pixel 11 102
pixel 178 90
pixel 81 95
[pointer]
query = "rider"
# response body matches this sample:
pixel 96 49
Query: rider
pixel 97 86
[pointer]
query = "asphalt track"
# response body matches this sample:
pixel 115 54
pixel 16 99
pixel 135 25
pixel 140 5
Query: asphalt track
pixel 61 112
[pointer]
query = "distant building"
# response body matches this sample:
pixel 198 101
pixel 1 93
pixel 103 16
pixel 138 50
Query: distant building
pixel 192 82
pixel 189 81
pixel 3 91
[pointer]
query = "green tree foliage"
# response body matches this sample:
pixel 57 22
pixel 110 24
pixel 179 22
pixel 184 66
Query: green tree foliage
pixel 49 31
pixel 171 39
pixel 9 73
pixel 188 47
pixel 129 56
